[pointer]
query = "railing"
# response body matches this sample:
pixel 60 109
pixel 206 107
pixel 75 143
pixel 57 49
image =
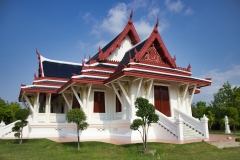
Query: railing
pixel 167 123
pixel 191 121
pixel 8 128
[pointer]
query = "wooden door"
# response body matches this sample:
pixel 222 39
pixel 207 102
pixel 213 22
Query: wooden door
pixel 161 100
pixel 99 102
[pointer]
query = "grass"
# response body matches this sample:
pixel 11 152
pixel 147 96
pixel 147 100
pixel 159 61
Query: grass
pixel 236 133
pixel 35 149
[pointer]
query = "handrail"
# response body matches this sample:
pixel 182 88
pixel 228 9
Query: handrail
pixel 8 128
pixel 167 123
pixel 191 121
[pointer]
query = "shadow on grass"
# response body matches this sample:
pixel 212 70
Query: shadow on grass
pixel 16 141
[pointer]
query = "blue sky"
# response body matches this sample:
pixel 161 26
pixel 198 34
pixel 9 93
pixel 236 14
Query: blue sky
pixel 203 33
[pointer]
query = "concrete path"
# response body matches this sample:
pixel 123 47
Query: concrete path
pixel 219 140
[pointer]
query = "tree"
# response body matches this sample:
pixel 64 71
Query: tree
pixel 146 112
pixel 22 115
pixel 227 97
pixel 7 111
pixel 77 116
pixel 233 117
pixel 199 109
pixel 211 119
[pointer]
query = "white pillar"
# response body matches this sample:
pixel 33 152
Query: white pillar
pixel 2 124
pixel 84 99
pixel 227 128
pixel 180 127
pixel 48 107
pixel 204 121
pixel 35 108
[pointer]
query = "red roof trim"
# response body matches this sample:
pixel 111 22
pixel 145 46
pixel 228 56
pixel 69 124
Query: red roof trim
pixel 47 84
pixel 37 90
pixel 167 77
pixel 160 70
pixel 51 78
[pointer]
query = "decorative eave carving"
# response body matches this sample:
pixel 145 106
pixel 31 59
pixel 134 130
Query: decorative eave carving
pixel 188 69
pixel 134 38
pixel 101 55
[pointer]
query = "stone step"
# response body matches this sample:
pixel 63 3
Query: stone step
pixel 190 133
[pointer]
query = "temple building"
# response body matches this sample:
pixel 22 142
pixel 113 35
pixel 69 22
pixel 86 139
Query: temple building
pixel 106 85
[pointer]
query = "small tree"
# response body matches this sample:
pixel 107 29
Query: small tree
pixel 77 116
pixel 22 115
pixel 146 112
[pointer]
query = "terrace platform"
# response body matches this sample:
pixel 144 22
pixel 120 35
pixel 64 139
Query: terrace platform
pixel 213 139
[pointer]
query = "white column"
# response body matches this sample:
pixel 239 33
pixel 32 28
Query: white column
pixel 180 127
pixel 35 108
pixel 131 108
pixel 84 99
pixel 2 124
pixel 204 121
pixel 48 107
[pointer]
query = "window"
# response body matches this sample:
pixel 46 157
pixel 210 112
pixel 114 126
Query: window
pixel 99 102
pixel 75 103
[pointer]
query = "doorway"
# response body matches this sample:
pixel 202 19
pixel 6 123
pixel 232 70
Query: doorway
pixel 161 100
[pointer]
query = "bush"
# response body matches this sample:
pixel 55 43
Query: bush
pixel 237 139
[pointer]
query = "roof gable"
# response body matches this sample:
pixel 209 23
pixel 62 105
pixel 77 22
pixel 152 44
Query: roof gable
pixel 128 31
pixel 154 46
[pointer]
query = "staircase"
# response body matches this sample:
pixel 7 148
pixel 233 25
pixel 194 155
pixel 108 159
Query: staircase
pixel 191 133
pixel 168 130
pixel 183 126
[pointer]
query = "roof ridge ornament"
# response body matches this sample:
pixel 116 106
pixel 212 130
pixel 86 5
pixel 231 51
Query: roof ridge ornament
pixel 130 17
pixel 189 67
pixel 39 64
pixel 101 55
pixel 37 53
pixel 156 26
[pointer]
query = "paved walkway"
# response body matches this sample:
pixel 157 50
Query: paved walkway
pixel 212 138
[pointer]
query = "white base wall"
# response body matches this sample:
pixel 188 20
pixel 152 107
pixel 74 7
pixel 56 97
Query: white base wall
pixel 117 129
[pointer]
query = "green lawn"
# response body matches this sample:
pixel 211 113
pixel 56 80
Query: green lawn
pixel 44 149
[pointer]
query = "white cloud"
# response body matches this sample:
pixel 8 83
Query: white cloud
pixel 188 11
pixel 101 43
pixel 218 79
pixel 154 12
pixel 143 28
pixel 174 6
pixel 137 4
pixel 116 19
pixel 80 45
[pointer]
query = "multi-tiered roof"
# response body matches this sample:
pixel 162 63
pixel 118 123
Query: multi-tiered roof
pixel 125 55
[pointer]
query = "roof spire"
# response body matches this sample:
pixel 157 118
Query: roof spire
pixel 131 13
pixel 157 22
pixel 156 26
pixel 130 18
pixel 189 67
